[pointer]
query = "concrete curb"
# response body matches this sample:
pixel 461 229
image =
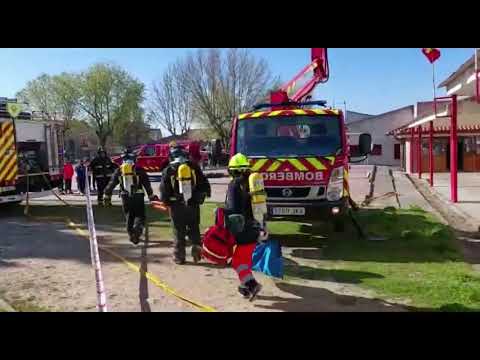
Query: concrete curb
pixel 4 306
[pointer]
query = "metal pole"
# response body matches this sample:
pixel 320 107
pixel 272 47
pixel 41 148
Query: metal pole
pixel 419 153
pixel 477 85
pixel 453 151
pixel 434 92
pixel 412 141
pixel 430 152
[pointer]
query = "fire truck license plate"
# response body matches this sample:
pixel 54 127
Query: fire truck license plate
pixel 296 211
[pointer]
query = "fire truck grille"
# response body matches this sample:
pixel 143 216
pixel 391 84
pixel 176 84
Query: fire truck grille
pixel 288 192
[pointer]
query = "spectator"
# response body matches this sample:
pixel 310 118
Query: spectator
pixel 80 171
pixel 67 176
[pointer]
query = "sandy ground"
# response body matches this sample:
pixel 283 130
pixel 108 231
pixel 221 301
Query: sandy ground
pixel 49 265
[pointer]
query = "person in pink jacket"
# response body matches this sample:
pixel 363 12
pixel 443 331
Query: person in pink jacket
pixel 67 176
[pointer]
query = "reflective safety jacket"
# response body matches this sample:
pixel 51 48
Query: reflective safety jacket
pixel 131 184
pixel 170 187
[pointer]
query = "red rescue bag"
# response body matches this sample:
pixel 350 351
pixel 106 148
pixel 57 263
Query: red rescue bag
pixel 218 243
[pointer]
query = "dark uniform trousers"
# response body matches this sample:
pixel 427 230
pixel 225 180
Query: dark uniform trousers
pixel 102 182
pixel 134 211
pixel 186 222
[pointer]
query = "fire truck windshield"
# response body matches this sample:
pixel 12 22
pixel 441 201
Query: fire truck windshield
pixel 288 136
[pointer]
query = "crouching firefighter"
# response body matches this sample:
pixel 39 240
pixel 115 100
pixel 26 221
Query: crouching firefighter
pixel 133 182
pixel 183 189
pixel 245 207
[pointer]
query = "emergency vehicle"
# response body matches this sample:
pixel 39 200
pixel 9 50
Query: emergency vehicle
pixel 28 144
pixel 154 157
pixel 301 148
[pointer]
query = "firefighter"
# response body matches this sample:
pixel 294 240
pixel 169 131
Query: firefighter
pixel 133 182
pixel 239 202
pixel 183 189
pixel 102 168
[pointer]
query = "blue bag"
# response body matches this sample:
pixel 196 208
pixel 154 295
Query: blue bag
pixel 267 258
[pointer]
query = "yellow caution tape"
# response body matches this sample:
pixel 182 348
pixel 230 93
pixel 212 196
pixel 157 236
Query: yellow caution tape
pixel 156 281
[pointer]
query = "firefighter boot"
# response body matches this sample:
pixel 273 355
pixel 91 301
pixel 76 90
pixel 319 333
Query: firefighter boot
pixel 196 253
pixel 107 201
pixel 243 290
pixel 134 238
pixel 254 288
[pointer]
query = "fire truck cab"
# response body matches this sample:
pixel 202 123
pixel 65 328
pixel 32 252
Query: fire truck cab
pixel 303 155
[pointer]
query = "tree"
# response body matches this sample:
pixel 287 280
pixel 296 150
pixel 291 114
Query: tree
pixel 108 95
pixel 171 103
pixel 54 97
pixel 223 86
pixel 131 132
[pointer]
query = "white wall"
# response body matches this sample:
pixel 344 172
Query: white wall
pixel 378 127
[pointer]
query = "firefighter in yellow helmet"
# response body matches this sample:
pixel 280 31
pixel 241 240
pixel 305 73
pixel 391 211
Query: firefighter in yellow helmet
pixel 183 189
pixel 239 203
pixel 133 182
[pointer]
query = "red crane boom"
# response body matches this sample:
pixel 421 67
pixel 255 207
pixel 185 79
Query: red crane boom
pixel 302 85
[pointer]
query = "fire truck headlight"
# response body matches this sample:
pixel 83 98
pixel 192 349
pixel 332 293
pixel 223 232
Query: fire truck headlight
pixel 335 191
pixel 335 185
pixel 337 174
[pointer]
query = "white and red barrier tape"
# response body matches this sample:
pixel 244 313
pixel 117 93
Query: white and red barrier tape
pixel 101 295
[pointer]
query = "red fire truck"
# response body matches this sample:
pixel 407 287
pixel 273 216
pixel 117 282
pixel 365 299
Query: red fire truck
pixel 154 157
pixel 301 148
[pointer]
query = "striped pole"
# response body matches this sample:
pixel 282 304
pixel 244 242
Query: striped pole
pixel 95 256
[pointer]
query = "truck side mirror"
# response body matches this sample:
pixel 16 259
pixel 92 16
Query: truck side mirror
pixel 364 144
pixel 363 148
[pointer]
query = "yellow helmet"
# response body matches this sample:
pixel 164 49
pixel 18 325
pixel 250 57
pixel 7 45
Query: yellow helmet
pixel 239 162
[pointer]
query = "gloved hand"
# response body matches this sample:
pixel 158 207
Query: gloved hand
pixel 263 236
pixel 153 198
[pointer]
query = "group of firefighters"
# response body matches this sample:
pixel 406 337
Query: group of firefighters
pixel 183 189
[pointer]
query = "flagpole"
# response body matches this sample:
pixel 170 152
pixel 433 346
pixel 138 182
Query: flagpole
pixel 434 92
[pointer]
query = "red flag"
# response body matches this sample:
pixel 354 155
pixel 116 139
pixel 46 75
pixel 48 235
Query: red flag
pixel 432 54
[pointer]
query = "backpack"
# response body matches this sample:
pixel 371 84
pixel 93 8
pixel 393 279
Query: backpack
pixel 218 242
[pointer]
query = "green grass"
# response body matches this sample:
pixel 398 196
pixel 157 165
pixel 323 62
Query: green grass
pixel 419 260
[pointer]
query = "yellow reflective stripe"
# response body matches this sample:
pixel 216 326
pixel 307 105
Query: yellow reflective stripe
pixel 274 166
pixel 8 167
pixel 297 164
pixel 316 163
pixel 323 112
pixel 258 114
pixel 6 136
pixel 7 146
pixel 331 159
pixel 259 164
pixel 275 113
pixel 300 112
pixel 242 116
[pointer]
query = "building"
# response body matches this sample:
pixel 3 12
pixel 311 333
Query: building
pixel 462 84
pixel 386 149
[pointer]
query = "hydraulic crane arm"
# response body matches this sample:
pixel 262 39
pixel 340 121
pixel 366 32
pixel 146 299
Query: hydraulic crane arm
pixel 302 85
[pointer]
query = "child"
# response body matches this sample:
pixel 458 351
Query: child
pixel 238 202
pixel 80 171
pixel 67 176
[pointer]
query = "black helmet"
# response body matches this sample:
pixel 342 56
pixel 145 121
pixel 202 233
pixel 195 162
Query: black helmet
pixel 128 154
pixel 178 154
pixel 101 150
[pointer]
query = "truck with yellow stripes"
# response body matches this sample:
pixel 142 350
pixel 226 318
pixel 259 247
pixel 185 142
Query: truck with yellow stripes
pixel 29 145
pixel 301 148
pixel 303 155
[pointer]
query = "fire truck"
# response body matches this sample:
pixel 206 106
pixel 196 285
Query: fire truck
pixel 31 145
pixel 301 148
pixel 154 157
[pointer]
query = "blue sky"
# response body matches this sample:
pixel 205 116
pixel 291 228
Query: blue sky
pixel 370 80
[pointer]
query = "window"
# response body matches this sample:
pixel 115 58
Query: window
pixel 377 150
pixel 150 151
pixel 396 152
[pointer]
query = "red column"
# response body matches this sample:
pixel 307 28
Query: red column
pixel 412 148
pixel 453 151
pixel 430 152
pixel 419 152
